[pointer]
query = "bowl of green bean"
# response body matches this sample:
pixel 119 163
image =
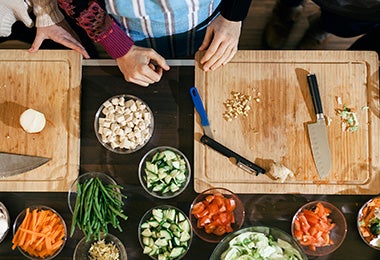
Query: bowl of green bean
pixel 95 201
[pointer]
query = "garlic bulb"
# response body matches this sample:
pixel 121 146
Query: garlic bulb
pixel 32 121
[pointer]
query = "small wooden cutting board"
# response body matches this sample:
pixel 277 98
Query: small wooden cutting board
pixel 275 129
pixel 47 81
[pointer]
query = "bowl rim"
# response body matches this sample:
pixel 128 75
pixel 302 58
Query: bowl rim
pixel 333 247
pixel 140 170
pixel 5 211
pixel 357 221
pixel 119 150
pixel 249 228
pixel 82 176
pixel 43 207
pixel 122 250
pixel 149 213
pixel 199 232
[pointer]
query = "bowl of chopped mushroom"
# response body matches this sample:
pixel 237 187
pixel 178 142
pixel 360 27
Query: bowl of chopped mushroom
pixel 107 247
pixel 124 124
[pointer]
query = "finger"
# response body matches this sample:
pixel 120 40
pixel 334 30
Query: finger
pixel 214 46
pixel 231 55
pixel 207 40
pixel 36 44
pixel 217 55
pixel 158 59
pixel 74 45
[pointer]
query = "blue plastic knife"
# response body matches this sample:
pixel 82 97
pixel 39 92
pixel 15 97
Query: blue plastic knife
pixel 201 111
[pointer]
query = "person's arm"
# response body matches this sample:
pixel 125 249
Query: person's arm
pixel 142 66
pixel 235 10
pixel 222 35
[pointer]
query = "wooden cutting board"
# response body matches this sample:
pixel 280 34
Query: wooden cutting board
pixel 275 129
pixel 47 81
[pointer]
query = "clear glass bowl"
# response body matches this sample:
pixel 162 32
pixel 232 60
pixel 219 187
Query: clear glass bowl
pixel 272 231
pixel 19 219
pixel 365 214
pixel 123 124
pixel 4 211
pixel 72 194
pixel 142 174
pixel 81 251
pixel 239 214
pixel 148 214
pixel 337 234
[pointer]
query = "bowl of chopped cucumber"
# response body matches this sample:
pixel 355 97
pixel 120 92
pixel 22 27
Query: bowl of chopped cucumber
pixel 124 124
pixel 107 246
pixel 164 172
pixel 165 233
pixel 258 242
pixel 215 213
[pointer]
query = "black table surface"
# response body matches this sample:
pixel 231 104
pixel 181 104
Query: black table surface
pixel 174 114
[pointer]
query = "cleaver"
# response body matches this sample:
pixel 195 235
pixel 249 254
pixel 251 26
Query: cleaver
pixel 318 131
pixel 13 164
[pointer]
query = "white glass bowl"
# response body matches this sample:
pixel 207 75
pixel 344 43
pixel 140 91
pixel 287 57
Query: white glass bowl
pixel 7 220
pixel 124 124
pixel 81 251
pixel 165 178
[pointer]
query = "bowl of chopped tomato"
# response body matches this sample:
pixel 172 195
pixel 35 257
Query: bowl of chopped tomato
pixel 319 228
pixel 368 222
pixel 215 213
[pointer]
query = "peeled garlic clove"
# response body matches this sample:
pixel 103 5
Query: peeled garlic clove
pixel 32 121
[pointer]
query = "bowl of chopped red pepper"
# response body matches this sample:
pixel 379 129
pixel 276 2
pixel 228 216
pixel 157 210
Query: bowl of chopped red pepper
pixel 319 228
pixel 215 213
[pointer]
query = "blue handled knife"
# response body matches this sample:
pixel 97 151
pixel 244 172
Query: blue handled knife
pixel 201 111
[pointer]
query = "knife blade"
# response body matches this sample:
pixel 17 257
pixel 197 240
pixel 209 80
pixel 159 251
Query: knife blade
pixel 13 164
pixel 201 111
pixel 240 161
pixel 318 131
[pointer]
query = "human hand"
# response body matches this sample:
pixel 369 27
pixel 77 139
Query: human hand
pixel 60 33
pixel 142 66
pixel 11 11
pixel 221 41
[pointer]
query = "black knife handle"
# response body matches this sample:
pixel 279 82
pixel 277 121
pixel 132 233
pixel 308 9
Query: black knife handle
pixel 229 153
pixel 314 91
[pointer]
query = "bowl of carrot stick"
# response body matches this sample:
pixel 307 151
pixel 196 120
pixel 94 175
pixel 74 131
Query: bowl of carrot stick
pixel 39 232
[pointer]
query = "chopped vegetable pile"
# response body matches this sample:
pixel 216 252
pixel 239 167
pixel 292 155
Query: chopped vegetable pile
pixel 96 206
pixel 312 227
pixel 166 234
pixel 215 214
pixel 369 222
pixel 256 245
pixel 40 234
pixel 349 119
pixel 166 173
pixel 100 250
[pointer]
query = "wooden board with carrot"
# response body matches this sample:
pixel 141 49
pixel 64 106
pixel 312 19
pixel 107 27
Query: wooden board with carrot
pixel 41 233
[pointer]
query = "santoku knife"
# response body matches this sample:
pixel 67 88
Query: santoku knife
pixel 13 164
pixel 240 161
pixel 318 131
pixel 201 111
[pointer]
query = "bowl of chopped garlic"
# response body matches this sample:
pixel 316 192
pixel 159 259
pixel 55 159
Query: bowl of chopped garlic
pixel 124 124
pixel 107 246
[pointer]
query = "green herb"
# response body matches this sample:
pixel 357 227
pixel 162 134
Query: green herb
pixel 349 119
pixel 97 205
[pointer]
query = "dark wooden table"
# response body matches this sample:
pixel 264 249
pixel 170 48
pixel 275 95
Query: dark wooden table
pixel 173 111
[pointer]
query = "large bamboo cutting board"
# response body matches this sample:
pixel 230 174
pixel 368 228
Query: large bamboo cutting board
pixel 47 81
pixel 275 128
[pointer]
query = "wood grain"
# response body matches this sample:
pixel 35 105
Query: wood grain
pixel 275 129
pixel 47 81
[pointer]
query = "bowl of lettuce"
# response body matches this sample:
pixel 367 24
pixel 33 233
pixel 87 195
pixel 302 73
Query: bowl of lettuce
pixel 258 242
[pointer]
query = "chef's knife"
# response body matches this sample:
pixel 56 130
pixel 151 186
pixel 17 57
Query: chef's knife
pixel 13 164
pixel 318 131
pixel 201 111
pixel 240 161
